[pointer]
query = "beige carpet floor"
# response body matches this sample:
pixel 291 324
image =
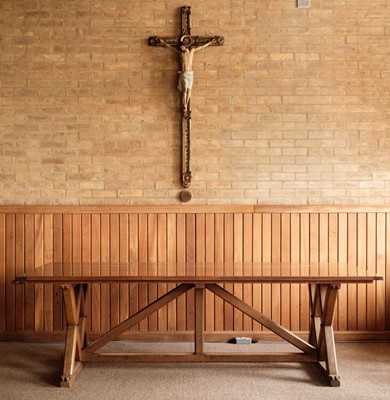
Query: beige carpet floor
pixel 31 371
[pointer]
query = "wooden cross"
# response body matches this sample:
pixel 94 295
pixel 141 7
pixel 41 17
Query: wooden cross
pixel 186 45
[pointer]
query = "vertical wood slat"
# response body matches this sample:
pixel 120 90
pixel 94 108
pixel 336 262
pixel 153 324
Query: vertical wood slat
pixel 267 255
pixel 38 261
pixel 162 258
pixel 29 268
pixel 237 245
pixel 181 302
pixel 362 260
pixel 2 273
pixel 124 308
pixel 209 257
pixel 171 256
pixel 219 258
pixel 304 249
pixel 381 270
pixel 229 318
pixel 57 256
pixel 248 258
pixel 257 256
pixel 95 258
pixel 352 259
pixel 10 259
pixel 190 258
pixel 48 257
pixel 19 269
pixel 152 257
pixel 28 240
pixel 387 276
pixel 133 257
pixel 342 241
pixel 294 253
pixel 114 254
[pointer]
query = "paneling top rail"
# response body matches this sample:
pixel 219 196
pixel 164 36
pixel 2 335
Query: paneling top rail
pixel 190 209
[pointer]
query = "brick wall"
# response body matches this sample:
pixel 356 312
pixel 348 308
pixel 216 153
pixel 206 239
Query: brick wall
pixel 294 109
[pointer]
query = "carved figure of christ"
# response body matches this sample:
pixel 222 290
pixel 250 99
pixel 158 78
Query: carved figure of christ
pixel 186 77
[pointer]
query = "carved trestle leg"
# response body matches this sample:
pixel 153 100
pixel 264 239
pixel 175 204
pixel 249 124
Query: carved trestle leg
pixel 75 310
pixel 322 306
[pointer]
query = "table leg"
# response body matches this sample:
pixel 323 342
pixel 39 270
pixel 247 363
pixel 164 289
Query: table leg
pixel 199 319
pixel 74 301
pixel 322 302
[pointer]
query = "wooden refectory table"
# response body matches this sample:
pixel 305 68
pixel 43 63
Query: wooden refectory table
pixel 323 282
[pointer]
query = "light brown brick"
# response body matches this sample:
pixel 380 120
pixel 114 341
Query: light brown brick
pixel 89 113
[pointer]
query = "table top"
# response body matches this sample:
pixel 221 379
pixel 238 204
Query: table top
pixel 196 272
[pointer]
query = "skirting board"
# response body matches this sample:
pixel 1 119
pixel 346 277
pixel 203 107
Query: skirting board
pixel 58 336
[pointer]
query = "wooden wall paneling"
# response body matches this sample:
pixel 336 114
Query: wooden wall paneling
pixel 342 303
pixel 362 263
pixel 380 270
pixel 352 260
pixel 229 270
pixel 19 269
pixel 285 256
pixel 30 239
pixel 152 257
pixel 209 258
pixel 48 245
pixel 162 258
pixel 295 257
pixel 371 267
pixel 171 257
pixel 114 240
pixel 181 257
pixel 10 262
pixel 134 288
pixel 124 308
pixel 2 273
pixel 304 250
pixel 142 258
pixel 276 257
pixel 219 258
pixel 248 258
pixel 238 270
pixel 257 257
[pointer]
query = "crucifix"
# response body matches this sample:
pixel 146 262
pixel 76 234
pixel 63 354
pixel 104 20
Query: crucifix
pixel 185 45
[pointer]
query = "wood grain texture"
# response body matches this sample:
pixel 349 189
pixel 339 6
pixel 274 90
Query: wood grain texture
pixel 31 236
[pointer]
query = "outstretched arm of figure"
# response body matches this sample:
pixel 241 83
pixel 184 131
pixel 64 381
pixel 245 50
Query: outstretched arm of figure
pixel 209 43
pixel 160 41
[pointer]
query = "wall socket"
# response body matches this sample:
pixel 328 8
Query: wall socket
pixel 303 3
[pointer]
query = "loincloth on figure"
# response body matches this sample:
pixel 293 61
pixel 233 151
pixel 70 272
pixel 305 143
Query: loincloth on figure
pixel 186 79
